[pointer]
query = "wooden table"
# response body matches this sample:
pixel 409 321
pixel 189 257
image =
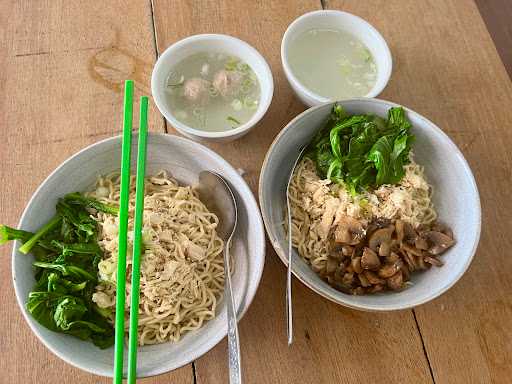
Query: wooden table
pixel 62 65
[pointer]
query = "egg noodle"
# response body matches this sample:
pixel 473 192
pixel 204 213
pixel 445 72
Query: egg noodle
pixel 317 205
pixel 182 268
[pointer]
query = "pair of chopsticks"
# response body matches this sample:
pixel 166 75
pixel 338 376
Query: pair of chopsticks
pixel 123 232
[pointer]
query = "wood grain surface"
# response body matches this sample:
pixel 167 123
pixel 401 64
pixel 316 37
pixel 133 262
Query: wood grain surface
pixel 63 63
pixel 62 66
pixel 447 68
pixel 497 15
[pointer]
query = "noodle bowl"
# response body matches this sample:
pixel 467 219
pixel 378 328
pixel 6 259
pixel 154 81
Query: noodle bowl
pixel 182 268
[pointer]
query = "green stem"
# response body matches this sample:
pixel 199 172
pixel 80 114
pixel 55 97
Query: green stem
pixel 25 248
pixel 7 234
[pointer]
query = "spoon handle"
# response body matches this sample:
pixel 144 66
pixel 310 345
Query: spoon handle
pixel 235 369
pixel 289 314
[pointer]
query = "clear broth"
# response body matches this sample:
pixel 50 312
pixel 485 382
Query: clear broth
pixel 212 91
pixel 332 63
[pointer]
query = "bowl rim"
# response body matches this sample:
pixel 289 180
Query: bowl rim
pixel 238 131
pixel 318 99
pixel 338 298
pixel 211 341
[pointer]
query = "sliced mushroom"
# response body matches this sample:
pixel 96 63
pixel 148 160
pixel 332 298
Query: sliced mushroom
pixel 439 227
pixel 412 250
pixel 370 260
pixel 348 278
pixel 405 232
pixel 358 291
pixel 342 235
pixel 395 282
pixel 347 250
pixel 370 229
pixel 405 272
pixel 363 280
pixel 389 270
pixel 356 264
pixel 392 258
pixel 376 288
pixel 433 260
pixel 410 261
pixel 373 278
pixel 421 243
pixel 338 274
pixel 438 241
pixel 343 288
pixel 349 231
pixel 385 249
pixel 400 233
pixel 421 263
pixel 331 265
pixel 380 236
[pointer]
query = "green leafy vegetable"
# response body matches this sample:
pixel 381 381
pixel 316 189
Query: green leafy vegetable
pixel 81 200
pixel 362 151
pixel 66 268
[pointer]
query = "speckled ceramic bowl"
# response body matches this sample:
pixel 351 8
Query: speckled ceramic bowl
pixel 183 159
pixel 455 197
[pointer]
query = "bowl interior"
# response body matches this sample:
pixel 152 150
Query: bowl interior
pixel 331 19
pixel 455 198
pixel 184 160
pixel 211 43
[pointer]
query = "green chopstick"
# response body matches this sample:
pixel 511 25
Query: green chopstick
pixel 123 232
pixel 137 240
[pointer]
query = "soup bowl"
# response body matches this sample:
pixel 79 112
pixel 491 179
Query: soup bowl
pixel 183 159
pixel 343 21
pixel 455 197
pixel 217 43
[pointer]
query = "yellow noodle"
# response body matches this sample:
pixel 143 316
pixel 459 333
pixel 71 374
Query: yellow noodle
pixel 182 268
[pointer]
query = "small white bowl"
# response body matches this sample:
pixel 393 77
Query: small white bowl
pixel 346 22
pixel 216 43
pixel 455 197
pixel 183 159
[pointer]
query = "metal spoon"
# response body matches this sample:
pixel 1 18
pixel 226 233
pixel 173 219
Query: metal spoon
pixel 289 316
pixel 218 197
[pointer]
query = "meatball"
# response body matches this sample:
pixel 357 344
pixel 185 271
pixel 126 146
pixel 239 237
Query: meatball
pixel 227 83
pixel 196 90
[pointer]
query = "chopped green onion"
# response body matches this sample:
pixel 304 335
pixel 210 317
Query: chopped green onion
pixel 236 104
pixel 231 64
pixel 250 103
pixel 243 67
pixel 231 119
pixel 246 85
pixel 366 55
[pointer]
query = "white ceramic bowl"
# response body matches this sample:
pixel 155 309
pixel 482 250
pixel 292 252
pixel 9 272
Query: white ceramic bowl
pixel 184 159
pixel 216 43
pixel 357 27
pixel 455 198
